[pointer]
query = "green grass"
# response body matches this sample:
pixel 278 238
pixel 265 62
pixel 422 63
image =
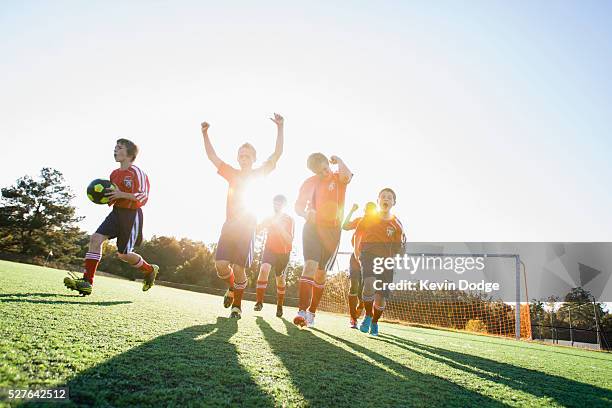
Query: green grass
pixel 122 347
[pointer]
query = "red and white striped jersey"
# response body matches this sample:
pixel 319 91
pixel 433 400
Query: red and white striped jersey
pixel 131 180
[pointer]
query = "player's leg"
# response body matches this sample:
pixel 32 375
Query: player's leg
pixel 242 258
pixel 262 279
pixel 380 299
pixel 330 239
pixel 130 236
pixel 280 272
pixel 223 264
pixel 355 284
pixel 369 290
pixel 312 254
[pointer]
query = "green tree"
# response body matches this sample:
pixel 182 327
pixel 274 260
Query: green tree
pixel 37 217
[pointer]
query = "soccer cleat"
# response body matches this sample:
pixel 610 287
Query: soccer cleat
pixel 310 319
pixel 353 323
pixel 228 298
pixel 258 306
pixel 300 319
pixel 149 278
pixel 81 285
pixel 236 313
pixel 374 329
pixel 279 311
pixel 365 324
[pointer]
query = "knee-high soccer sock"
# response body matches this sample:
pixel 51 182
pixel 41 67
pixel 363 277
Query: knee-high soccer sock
pixel 368 302
pixel 229 279
pixel 261 290
pixel 305 291
pixel 317 294
pixel 353 300
pixel 92 259
pixel 280 295
pixel 143 265
pixel 378 311
pixel 239 288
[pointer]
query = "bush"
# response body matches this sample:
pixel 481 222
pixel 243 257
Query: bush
pixel 476 325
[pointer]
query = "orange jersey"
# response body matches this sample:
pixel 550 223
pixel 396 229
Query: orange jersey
pixel 275 241
pixel 326 197
pixel 379 233
pixel 131 180
pixel 238 179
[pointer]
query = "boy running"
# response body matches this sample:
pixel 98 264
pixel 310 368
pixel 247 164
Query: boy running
pixel 235 246
pixel 354 297
pixel 382 236
pixel 280 229
pixel 321 203
pixel 124 222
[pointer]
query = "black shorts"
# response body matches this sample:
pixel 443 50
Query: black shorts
pixel 236 243
pixel 354 268
pixel 277 261
pixel 320 244
pixel 382 274
pixel 125 224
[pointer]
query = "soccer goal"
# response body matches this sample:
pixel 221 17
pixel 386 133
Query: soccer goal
pixel 491 299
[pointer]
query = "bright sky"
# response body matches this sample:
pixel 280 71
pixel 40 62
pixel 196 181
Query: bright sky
pixel 491 120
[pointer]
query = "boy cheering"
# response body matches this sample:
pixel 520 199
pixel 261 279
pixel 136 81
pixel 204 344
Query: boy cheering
pixel 124 222
pixel 235 245
pixel 354 297
pixel 279 238
pixel 321 203
pixel 382 236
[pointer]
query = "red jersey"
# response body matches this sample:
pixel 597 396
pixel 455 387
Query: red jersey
pixel 326 197
pixel 275 241
pixel 131 180
pixel 383 234
pixel 235 207
pixel 352 225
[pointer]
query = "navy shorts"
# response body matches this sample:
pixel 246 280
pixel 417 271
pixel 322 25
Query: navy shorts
pixel 278 261
pixel 367 269
pixel 125 224
pixel 237 241
pixel 320 244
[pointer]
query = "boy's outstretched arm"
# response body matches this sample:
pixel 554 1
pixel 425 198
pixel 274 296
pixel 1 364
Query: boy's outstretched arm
pixel 345 173
pixel 210 151
pixel 280 138
pixel 346 225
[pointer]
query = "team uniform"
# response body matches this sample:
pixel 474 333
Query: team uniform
pixel 381 238
pixel 126 219
pixel 355 277
pixel 276 254
pixel 320 238
pixel 236 242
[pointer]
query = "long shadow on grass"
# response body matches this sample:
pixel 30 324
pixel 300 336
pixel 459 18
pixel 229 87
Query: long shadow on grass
pixel 27 298
pixel 196 366
pixel 564 391
pixel 328 375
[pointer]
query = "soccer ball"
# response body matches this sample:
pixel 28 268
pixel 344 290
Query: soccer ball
pixel 97 189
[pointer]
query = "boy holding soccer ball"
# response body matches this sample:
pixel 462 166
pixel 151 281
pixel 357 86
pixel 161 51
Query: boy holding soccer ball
pixel 235 246
pixel 382 236
pixel 124 222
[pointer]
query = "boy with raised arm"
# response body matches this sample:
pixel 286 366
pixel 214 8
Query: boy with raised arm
pixel 321 203
pixel 235 246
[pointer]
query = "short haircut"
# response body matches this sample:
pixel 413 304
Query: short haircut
pixel 251 148
pixel 314 159
pixel 388 190
pixel 280 199
pixel 132 149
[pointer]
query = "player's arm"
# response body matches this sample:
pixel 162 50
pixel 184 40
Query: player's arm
pixel 343 170
pixel 210 150
pixel 270 164
pixel 302 203
pixel 347 225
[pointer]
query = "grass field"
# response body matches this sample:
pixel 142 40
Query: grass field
pixel 122 347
